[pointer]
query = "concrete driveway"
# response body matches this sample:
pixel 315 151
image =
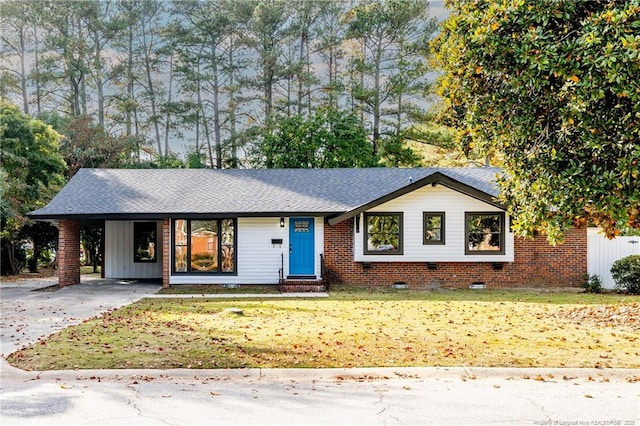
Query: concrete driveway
pixel 35 308
pixel 378 396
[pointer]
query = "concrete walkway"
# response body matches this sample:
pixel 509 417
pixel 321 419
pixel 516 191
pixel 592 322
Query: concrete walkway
pixel 376 396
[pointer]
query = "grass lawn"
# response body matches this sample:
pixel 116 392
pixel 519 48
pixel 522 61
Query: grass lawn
pixel 354 328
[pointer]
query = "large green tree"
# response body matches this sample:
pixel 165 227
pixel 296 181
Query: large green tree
pixel 329 138
pixel 553 86
pixel 31 171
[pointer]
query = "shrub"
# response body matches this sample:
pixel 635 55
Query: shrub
pixel 592 284
pixel 626 273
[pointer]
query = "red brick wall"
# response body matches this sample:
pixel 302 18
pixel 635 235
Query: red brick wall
pixel 68 252
pixel 536 264
pixel 166 252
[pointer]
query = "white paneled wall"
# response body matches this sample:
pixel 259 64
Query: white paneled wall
pixel 259 260
pixel 118 262
pixel 434 199
pixel 602 252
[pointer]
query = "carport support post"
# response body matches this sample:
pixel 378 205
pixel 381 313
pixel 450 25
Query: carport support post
pixel 68 252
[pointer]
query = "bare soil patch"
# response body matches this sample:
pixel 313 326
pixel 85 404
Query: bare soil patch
pixel 26 275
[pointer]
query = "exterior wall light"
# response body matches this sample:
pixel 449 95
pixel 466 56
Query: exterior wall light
pixel 282 222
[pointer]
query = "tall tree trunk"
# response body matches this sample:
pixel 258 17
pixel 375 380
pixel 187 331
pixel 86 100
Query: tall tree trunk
pixel 154 109
pixel 207 134
pixel 98 69
pixel 216 108
pixel 232 108
pixel 83 96
pixel 150 88
pixel 198 117
pixel 33 262
pixel 376 97
pixel 37 68
pixel 23 75
pixel 300 82
pixel 167 123
pixel 75 96
pixel 80 65
pixel 268 95
pixel 130 82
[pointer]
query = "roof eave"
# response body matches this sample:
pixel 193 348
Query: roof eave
pixel 159 216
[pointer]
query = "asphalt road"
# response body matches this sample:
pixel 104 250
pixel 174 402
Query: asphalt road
pixel 379 396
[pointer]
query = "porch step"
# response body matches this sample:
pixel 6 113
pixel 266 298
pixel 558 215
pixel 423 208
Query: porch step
pixel 302 286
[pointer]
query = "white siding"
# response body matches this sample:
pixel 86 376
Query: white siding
pixel 602 252
pixel 319 225
pixel 118 262
pixel 259 261
pixel 434 199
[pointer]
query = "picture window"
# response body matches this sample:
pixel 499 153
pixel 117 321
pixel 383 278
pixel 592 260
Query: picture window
pixel 484 233
pixel 384 233
pixel 204 246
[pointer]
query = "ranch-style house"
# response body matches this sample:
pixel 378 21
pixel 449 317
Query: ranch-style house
pixel 305 229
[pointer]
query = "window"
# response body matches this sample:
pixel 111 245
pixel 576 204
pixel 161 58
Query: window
pixel 145 242
pixel 433 228
pixel 484 233
pixel 204 246
pixel 384 233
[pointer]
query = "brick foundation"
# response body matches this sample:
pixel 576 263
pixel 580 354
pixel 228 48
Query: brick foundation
pixel 536 264
pixel 68 252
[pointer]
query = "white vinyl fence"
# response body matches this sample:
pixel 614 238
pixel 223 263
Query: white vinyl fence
pixel 602 252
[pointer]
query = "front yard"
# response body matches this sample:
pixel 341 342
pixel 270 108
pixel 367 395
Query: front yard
pixel 354 329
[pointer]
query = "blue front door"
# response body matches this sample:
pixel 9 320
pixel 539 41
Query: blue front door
pixel 301 246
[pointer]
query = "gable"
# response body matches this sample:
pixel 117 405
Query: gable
pixel 435 198
pixel 485 193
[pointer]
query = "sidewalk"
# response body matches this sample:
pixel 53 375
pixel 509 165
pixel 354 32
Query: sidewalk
pixel 381 396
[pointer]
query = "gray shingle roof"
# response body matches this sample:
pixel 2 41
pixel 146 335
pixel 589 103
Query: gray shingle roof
pixel 103 193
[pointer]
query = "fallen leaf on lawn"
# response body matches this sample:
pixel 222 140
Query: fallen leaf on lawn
pixel 623 314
